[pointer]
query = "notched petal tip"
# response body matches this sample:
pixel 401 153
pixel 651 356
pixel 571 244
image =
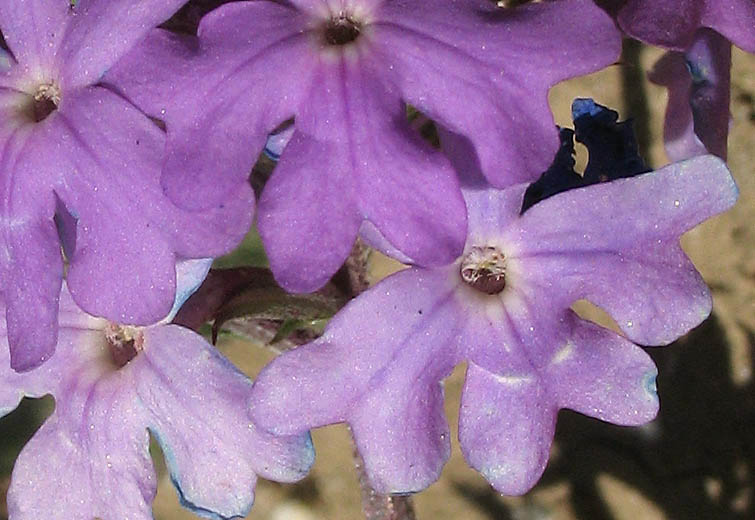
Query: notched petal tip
pixel 301 462
pixel 405 488
pixel 292 455
pixel 641 407
pixel 510 481
pixel 506 427
pixel 604 375
pixel 697 188
pixel 203 512
pixel 720 178
pixel 236 504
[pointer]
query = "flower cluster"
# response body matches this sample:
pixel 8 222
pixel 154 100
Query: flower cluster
pixel 126 145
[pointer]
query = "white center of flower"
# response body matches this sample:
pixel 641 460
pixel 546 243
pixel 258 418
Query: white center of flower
pixel 124 342
pixel 341 29
pixel 45 101
pixel 484 268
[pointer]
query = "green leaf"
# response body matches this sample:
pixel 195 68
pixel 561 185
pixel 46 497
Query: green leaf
pixel 296 311
pixel 249 253
pixel 290 326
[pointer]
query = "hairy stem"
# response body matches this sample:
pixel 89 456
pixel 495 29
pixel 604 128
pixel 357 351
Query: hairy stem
pixel 375 506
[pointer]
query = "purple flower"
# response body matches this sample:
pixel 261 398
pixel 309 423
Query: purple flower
pixel 697 69
pixel 344 69
pixel 112 384
pixel 504 307
pixel 698 82
pixel 673 23
pixel 72 147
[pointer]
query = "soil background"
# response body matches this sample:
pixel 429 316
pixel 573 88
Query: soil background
pixel 696 460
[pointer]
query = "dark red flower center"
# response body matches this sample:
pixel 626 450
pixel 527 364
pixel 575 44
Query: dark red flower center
pixel 484 269
pixel 341 30
pixel 124 343
pixel 45 101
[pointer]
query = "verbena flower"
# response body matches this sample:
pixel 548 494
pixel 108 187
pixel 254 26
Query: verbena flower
pixel 504 307
pixel 112 384
pixel 673 24
pixel 697 69
pixel 344 70
pixel 71 146
pixel 698 81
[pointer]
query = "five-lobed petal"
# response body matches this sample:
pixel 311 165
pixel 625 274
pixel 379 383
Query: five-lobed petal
pixel 179 388
pixel 379 364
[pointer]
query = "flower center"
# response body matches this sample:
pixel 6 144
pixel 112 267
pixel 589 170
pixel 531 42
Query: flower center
pixel 484 268
pixel 341 30
pixel 124 342
pixel 509 3
pixel 45 101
